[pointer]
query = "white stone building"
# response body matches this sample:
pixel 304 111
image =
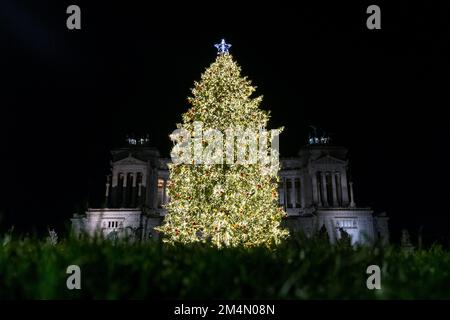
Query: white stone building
pixel 314 190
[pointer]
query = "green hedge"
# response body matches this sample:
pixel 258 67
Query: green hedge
pixel 298 269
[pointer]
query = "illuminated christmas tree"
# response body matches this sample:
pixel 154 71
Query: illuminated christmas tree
pixel 224 175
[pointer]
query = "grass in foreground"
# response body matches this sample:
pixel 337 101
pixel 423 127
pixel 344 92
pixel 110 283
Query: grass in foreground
pixel 299 269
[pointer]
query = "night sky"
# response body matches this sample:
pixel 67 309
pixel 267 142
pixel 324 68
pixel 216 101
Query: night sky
pixel 68 97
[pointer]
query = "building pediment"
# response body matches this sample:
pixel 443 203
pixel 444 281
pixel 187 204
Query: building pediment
pixel 329 160
pixel 130 161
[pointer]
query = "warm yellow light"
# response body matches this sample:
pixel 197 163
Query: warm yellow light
pixel 223 204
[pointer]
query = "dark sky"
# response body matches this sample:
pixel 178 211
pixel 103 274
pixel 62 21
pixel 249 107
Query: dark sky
pixel 68 97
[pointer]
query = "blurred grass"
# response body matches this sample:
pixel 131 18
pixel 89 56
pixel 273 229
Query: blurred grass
pixel 299 269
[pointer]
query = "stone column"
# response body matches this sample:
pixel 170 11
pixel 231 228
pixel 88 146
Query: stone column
pixel 150 184
pixel 133 189
pixel 148 197
pixel 293 193
pixel 140 190
pixel 302 191
pixel 338 188
pixel 315 188
pixel 284 194
pixel 107 191
pixel 124 190
pixel 114 186
pixel 324 189
pixel 333 183
pixel 319 188
pixel 352 201
pixel 344 188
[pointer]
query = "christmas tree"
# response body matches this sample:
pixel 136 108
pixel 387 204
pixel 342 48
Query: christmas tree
pixel 224 175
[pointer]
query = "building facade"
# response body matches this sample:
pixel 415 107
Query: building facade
pixel 314 190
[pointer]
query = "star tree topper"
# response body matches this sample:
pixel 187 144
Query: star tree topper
pixel 222 47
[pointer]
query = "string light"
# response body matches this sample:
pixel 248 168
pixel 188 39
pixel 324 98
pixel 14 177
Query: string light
pixel 228 204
